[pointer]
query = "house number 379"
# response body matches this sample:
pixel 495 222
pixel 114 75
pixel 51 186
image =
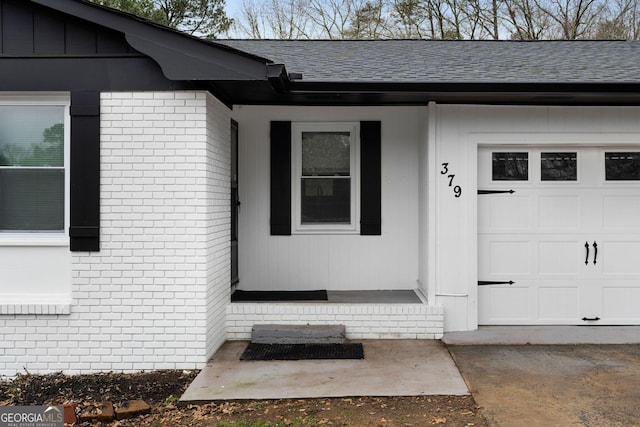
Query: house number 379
pixel 457 190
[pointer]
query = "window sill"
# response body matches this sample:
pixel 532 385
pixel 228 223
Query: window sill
pixel 31 240
pixel 43 304
pixel 327 232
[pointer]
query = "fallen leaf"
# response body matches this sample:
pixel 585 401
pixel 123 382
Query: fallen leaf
pixel 438 420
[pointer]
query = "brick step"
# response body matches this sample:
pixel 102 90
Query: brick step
pixel 298 334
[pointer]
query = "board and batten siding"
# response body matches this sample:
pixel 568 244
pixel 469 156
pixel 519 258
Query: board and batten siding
pixel 330 261
pixel 458 132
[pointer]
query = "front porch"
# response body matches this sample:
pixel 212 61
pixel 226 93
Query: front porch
pixel 380 314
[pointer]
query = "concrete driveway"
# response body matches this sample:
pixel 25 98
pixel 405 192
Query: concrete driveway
pixel 553 385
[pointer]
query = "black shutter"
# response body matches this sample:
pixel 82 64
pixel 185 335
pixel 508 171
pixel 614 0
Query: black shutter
pixel 84 230
pixel 370 178
pixel 280 178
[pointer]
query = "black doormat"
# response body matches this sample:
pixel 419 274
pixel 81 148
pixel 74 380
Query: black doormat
pixel 259 296
pixel 302 351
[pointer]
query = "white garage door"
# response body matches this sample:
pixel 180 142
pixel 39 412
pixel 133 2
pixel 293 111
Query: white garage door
pixel 568 236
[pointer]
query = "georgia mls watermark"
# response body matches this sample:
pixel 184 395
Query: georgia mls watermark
pixel 31 416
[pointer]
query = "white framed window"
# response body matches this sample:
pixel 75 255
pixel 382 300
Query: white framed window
pixel 34 164
pixel 325 171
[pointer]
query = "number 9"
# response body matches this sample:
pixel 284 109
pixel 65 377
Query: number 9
pixel 457 190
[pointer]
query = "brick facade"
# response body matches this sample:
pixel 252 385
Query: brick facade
pixel 153 295
pixel 362 321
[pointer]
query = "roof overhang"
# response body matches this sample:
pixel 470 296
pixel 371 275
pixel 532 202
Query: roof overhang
pixel 180 56
pixel 337 93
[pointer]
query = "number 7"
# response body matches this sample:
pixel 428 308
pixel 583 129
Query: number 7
pixel 451 180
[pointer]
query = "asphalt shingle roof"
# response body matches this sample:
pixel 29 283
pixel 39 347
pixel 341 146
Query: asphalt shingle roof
pixel 431 61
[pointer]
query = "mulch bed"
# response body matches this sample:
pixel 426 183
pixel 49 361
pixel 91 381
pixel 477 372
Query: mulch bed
pixel 162 389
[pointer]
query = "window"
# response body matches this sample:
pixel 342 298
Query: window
pixel 33 161
pixel 559 166
pixel 325 184
pixel 510 166
pixel 622 166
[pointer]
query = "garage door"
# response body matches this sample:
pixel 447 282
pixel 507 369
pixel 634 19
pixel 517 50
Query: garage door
pixel 562 224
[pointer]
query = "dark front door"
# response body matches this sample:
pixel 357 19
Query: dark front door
pixel 235 203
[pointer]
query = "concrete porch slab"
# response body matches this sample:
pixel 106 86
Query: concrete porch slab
pixel 390 368
pixel 552 335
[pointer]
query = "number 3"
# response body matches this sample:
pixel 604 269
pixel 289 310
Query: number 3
pixel 445 169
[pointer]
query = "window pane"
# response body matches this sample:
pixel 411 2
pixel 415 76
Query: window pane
pixel 326 200
pixel 558 167
pixel 622 166
pixel 510 166
pixel 31 135
pixel 31 199
pixel 326 153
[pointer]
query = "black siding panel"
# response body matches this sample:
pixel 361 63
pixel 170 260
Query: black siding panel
pixel 106 43
pixel 17 29
pixel 49 35
pixel 84 231
pixel 27 29
pixel 280 178
pixel 81 39
pixel 370 178
pixel 68 74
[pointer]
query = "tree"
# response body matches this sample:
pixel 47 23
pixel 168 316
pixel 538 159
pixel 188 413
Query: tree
pixel 438 19
pixel 288 19
pixel 527 20
pixel 369 21
pixel 198 17
pixel 332 17
pixel 622 22
pixel 576 18
pixel 410 16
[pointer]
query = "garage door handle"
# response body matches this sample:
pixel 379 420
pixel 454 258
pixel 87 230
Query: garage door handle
pixel 590 319
pixel 595 253
pixel 586 260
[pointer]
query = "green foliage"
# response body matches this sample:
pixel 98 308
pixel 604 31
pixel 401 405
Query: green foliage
pixel 171 400
pixel 199 17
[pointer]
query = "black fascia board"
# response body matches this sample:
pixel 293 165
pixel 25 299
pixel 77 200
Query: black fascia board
pixel 384 93
pixel 181 56
pixel 260 93
pixel 464 87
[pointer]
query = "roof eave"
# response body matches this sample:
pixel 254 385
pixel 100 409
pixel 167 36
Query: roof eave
pixel 181 56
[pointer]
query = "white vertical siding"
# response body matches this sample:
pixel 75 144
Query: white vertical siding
pixel 346 262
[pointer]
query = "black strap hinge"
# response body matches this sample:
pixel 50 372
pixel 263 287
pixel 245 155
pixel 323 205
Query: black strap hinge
pixel 493 282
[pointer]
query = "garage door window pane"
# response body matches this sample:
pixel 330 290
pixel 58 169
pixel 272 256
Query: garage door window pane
pixel 558 167
pixel 510 166
pixel 622 166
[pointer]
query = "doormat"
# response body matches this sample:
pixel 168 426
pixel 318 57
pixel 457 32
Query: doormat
pixel 302 351
pixel 259 296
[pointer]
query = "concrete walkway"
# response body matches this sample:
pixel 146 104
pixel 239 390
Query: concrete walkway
pixel 390 368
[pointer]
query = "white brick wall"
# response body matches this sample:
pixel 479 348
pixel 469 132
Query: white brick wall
pixel 218 222
pixel 154 296
pixel 362 321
